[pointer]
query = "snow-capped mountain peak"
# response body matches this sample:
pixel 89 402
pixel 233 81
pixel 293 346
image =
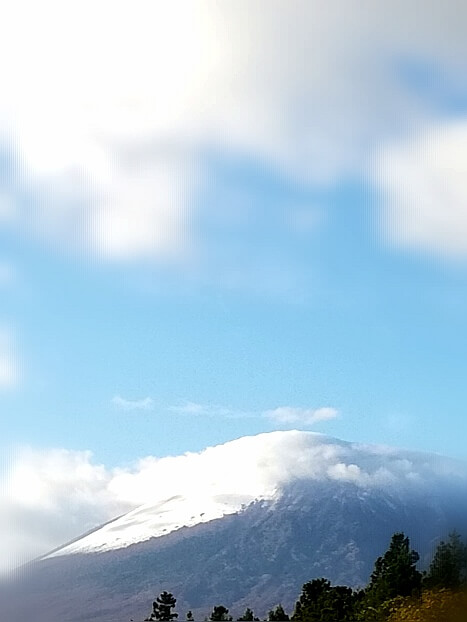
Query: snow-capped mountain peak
pixel 196 488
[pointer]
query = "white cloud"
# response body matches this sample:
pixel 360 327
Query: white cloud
pixel 281 415
pixel 424 186
pixel 303 416
pixel 346 472
pixel 109 137
pixel 209 410
pixel 146 403
pixel 50 496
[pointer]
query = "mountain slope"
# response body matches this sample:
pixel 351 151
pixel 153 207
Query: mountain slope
pixel 279 509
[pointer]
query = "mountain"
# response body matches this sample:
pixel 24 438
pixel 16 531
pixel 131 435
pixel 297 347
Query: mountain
pixel 246 524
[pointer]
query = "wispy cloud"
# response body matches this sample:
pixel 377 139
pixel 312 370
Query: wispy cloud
pixel 209 410
pixel 303 416
pixel 280 415
pixel 146 403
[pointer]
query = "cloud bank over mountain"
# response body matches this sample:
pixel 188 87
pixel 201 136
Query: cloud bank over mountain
pixel 53 496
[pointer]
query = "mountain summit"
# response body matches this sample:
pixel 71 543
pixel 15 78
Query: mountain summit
pixel 197 488
pixel 246 524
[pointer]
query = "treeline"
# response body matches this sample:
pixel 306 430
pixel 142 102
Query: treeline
pixel 397 592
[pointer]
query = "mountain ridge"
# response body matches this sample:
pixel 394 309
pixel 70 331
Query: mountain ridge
pixel 318 507
pixel 163 515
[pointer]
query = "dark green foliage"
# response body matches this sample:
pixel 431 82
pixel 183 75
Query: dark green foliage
pixel 447 570
pixel 162 608
pixel 322 602
pixel 395 573
pixel 248 616
pixel 278 615
pixel 220 614
pixel 395 577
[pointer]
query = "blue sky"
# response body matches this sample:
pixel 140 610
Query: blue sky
pixel 352 324
pixel 235 221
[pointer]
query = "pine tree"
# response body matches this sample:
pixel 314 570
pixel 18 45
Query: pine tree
pixel 220 614
pixel 449 564
pixel 248 616
pixel 162 608
pixel 395 573
pixel 278 615
pixel 322 602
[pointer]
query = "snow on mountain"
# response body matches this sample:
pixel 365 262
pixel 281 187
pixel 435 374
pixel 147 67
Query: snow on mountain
pixel 199 487
pixel 246 524
pixel 154 520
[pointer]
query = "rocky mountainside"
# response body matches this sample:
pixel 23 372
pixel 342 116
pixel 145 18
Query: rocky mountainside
pixel 322 507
